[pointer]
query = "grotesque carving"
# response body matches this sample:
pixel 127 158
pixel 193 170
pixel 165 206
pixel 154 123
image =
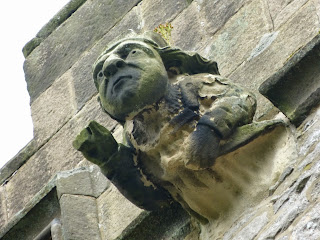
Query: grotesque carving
pixel 177 112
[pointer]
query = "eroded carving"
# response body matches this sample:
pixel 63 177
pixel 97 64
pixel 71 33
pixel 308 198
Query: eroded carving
pixel 179 115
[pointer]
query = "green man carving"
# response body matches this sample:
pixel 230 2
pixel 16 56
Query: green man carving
pixel 175 108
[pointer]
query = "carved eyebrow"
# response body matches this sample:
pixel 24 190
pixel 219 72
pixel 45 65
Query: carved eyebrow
pixel 129 46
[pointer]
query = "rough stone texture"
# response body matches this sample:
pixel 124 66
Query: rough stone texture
pixel 250 39
pixel 81 71
pixel 115 213
pixel 78 224
pixel 253 228
pixel 3 206
pixel 32 220
pixel 188 24
pixel 56 155
pixel 309 225
pixel 252 73
pixel 300 96
pixel 56 21
pixel 235 41
pixel 53 108
pixel 282 10
pixel 84 181
pixel 59 51
pixel 18 160
pixel 168 223
pixel 217 12
pixel 155 12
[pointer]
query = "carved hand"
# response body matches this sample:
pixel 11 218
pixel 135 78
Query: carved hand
pixel 203 148
pixel 96 143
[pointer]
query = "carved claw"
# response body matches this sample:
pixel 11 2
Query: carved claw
pixel 96 143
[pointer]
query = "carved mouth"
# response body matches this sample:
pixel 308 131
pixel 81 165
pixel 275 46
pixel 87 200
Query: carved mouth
pixel 119 81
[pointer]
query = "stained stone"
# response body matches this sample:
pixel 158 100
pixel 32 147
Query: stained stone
pixel 53 108
pixel 251 230
pixel 115 213
pixel 235 41
pixel 77 224
pixel 155 12
pixel 294 97
pixel 61 49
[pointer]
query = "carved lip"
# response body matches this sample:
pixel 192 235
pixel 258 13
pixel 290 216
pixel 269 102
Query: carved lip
pixel 119 81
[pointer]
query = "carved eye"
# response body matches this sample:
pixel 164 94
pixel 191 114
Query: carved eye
pixel 100 77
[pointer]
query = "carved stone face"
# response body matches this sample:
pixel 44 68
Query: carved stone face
pixel 130 77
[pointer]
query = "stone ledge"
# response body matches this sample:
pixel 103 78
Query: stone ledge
pixel 54 23
pixel 17 161
pixel 167 223
pixel 295 88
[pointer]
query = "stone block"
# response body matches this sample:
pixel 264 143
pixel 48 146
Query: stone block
pixel 155 12
pixel 77 223
pixel 295 33
pixel 33 219
pixel 289 212
pixel 188 29
pixel 56 155
pixel 61 49
pixel 18 160
pixel 115 213
pixel 81 71
pixel 282 10
pixel 53 108
pixel 232 45
pixel 3 207
pixel 251 230
pixel 84 181
pixel 168 223
pixel 217 13
pixel 55 22
pixel 295 88
pixel 308 226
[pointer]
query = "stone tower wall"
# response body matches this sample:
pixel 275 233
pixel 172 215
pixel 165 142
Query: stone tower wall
pixel 252 41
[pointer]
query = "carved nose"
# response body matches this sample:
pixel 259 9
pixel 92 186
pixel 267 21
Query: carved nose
pixel 111 66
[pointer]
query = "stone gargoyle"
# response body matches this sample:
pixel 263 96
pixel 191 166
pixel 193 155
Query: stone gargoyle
pixel 179 115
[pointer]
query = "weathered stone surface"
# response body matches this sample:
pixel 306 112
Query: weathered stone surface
pixel 251 230
pixel 53 108
pixel 74 182
pixel 29 222
pixel 243 220
pixel 77 223
pixel 60 50
pixel 81 72
pixel 167 223
pixel 18 160
pixel 309 225
pixel 292 35
pixel 84 181
pixel 288 213
pixel 3 207
pixel 56 21
pixel 217 13
pixel 155 12
pixel 56 155
pixel 295 88
pixel 282 10
pixel 232 45
pixel 115 213
pixel 190 25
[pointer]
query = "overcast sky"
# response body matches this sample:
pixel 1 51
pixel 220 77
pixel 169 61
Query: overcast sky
pixel 19 22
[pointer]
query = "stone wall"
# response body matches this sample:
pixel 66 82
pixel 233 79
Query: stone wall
pixel 253 41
